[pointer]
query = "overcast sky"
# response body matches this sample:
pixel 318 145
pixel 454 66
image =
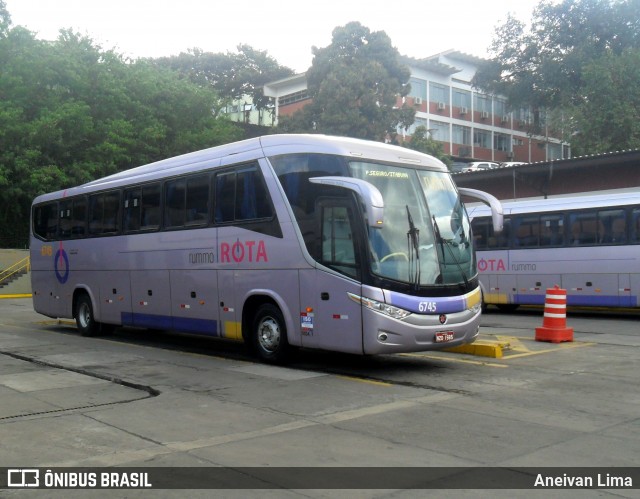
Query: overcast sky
pixel 286 29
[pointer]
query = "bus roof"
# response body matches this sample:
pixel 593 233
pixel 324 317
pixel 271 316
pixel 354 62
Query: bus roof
pixel 251 149
pixel 561 203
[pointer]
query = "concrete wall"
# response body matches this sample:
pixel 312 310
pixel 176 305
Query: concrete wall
pixel 22 285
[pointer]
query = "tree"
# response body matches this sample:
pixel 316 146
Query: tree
pixel 422 142
pixel 5 19
pixel 551 65
pixel 232 76
pixel 354 84
pixel 609 117
pixel 71 112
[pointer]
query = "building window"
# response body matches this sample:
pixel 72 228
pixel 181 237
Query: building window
pixel 461 98
pixel 500 107
pixel 418 88
pixel 294 97
pixel 412 129
pixel 439 131
pixel 482 103
pixel 501 142
pixel 461 135
pixel 438 93
pixel 482 138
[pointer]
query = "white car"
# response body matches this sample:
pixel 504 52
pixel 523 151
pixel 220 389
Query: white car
pixel 480 165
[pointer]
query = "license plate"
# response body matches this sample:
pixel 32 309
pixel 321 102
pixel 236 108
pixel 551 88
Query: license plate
pixel 444 336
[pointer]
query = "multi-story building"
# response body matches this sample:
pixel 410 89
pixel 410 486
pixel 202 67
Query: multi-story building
pixel 244 111
pixel 471 125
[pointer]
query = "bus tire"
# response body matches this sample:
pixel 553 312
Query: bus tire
pixel 85 319
pixel 269 334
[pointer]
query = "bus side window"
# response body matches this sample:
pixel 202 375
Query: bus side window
pixel 635 227
pixel 45 221
pixel 614 225
pixel 225 197
pixel 197 204
pixel 480 226
pixel 64 227
pixel 527 232
pixel 338 249
pixel 104 212
pixel 79 217
pixel 552 227
pixel 586 229
pixel 132 209
pixel 150 215
pixel 252 197
pixel 174 203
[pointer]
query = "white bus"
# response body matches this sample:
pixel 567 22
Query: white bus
pixel 586 244
pixel 280 241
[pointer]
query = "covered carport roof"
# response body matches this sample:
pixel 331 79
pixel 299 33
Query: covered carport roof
pixel 617 170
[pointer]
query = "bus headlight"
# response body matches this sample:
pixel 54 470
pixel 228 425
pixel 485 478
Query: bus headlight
pixel 475 308
pixel 383 308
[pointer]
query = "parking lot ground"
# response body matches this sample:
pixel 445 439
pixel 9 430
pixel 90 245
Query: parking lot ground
pixel 164 401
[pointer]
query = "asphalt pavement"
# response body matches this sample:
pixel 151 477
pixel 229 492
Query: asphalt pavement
pixel 141 400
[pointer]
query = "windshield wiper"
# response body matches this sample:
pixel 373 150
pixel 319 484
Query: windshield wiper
pixel 448 243
pixel 413 243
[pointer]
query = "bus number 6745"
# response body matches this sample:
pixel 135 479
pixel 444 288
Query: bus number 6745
pixel 427 306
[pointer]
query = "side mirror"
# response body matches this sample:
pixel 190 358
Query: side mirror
pixel 497 215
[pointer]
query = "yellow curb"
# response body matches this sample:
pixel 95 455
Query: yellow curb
pixel 481 348
pixel 29 295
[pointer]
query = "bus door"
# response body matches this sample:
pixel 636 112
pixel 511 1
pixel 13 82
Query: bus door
pixel 329 319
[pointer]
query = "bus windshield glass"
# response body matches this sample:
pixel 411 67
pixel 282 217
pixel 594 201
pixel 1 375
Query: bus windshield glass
pixel 425 236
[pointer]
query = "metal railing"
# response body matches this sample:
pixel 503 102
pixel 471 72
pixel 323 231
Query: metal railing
pixel 18 268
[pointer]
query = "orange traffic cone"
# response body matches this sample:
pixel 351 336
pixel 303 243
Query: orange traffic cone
pixel 554 325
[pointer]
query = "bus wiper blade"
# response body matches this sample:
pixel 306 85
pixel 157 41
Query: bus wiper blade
pixel 413 243
pixel 448 243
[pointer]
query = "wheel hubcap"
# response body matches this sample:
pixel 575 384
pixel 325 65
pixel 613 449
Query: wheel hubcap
pixel 269 334
pixel 84 315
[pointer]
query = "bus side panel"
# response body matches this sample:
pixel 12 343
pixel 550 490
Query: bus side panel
pixel 592 290
pixel 532 288
pixel 150 300
pixel 114 298
pixel 634 290
pixel 194 301
pixel 229 322
pixel 44 291
pixel 626 297
pixel 337 320
pixel 281 285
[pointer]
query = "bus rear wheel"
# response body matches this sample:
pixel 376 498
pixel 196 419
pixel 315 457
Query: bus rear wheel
pixel 85 320
pixel 269 334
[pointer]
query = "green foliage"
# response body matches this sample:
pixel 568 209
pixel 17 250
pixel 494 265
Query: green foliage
pixel 554 64
pixel 354 84
pixel 71 112
pixel 609 118
pixel 232 76
pixel 5 19
pixel 422 142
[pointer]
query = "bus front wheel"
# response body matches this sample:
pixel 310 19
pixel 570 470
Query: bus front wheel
pixel 269 334
pixel 85 320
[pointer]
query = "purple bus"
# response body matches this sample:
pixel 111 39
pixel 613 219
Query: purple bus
pixel 281 241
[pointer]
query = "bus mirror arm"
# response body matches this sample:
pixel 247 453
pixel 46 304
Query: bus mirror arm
pixel 493 202
pixel 368 193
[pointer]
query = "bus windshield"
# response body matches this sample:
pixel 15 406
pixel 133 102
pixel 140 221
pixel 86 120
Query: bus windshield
pixel 425 236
